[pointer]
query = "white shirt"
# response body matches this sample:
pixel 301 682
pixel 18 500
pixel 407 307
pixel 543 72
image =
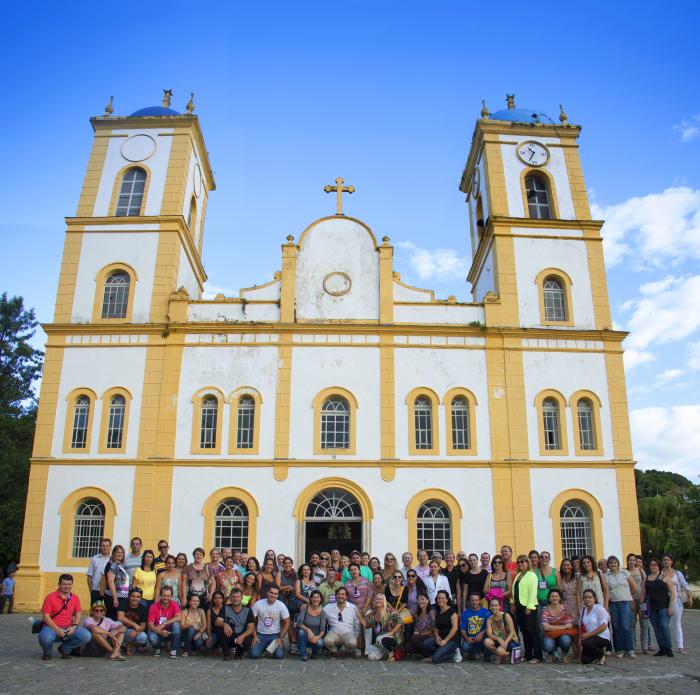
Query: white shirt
pixel 270 616
pixel 594 619
pixel 435 584
pixel 348 625
pixel 97 569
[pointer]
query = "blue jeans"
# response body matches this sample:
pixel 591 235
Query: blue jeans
pixel 551 644
pixel 440 654
pixel 303 642
pixel 47 637
pixel 622 617
pixel 140 639
pixel 189 643
pixel 661 623
pixel 158 642
pixel 473 648
pixel 257 651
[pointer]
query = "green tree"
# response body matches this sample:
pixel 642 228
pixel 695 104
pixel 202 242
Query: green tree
pixel 20 367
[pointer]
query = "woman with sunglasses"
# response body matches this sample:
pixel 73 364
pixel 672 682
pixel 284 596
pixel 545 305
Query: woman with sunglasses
pixel 595 634
pixel 436 582
pixel 498 584
pixel 525 602
pixel 414 587
pixel 444 644
pixel 472 582
pixel 390 566
pixel 395 591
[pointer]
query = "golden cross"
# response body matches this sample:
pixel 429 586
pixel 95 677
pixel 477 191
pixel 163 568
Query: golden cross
pixel 339 189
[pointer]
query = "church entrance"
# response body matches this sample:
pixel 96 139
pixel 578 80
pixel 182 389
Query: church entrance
pixel 333 520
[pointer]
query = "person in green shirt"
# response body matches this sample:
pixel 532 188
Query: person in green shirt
pixel 328 588
pixel 365 570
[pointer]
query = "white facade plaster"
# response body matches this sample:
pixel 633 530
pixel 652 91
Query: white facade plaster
pixel 402 293
pixel 269 291
pixel 234 311
pixel 458 314
pixel 186 277
pixel 486 281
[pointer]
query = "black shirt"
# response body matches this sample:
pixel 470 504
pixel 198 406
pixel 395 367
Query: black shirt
pixel 137 615
pixel 473 583
pixel 443 623
pixel 451 578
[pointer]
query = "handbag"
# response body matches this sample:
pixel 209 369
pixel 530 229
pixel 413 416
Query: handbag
pixel 38 625
pixel 516 653
pixel 406 616
pixel 571 632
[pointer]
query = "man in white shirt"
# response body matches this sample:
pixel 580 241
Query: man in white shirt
pixel 132 561
pixel 406 563
pixel 422 568
pixel 96 569
pixel 344 623
pixel 272 624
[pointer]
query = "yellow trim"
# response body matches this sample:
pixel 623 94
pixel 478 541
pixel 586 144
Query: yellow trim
pixel 317 404
pixel 48 401
pixel 106 398
pixel 165 275
pixel 387 398
pixel 471 404
pixel 93 174
pixel 117 186
pixel 617 397
pixel 197 419
pixel 599 283
pixel 235 399
pixel 310 491
pixel 100 280
pixel 440 496
pixel 209 512
pixel 629 513
pixel 64 555
pixel 551 190
pixel 410 408
pixel 596 521
pixel 577 184
pixel 65 294
pixel 386 282
pixel 283 397
pixel 561 402
pixel 70 416
pixel 336 217
pixel 596 405
pixel 178 177
pixel 567 285
pixel 152 502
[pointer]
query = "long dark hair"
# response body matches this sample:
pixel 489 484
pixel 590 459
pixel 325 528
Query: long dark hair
pixel 143 557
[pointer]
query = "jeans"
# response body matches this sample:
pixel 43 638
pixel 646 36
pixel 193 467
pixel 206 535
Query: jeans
pixel 189 643
pixel 528 629
pixel 551 644
pixel 139 639
pixel 621 616
pixel 661 624
pixel 10 600
pixel 47 637
pixel 257 651
pixel 157 642
pixel 473 648
pixel 644 630
pixel 440 654
pixel 303 641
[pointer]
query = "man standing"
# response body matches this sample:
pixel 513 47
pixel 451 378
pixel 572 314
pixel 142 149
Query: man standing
pixel 472 627
pixel 164 623
pixel 423 568
pixel 272 624
pixel 96 569
pixel 344 623
pixel 159 562
pixel 315 563
pixel 329 587
pixel 406 563
pixel 508 564
pixel 134 617
pixel 486 562
pixel 132 561
pixel 61 615
pixel 451 572
pixel 236 627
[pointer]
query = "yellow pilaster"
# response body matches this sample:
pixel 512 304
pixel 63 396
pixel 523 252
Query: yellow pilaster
pixel 629 513
pixel 48 401
pixel 386 282
pixel 289 281
pixel 152 501
pixel 166 272
pixel 577 183
pixel 283 397
pixel 68 277
pixel 617 394
pixel 88 195
pixel 387 398
pixel 178 169
pixel 495 176
pixel 599 283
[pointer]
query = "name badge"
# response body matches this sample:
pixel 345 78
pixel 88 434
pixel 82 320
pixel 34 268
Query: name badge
pixel 542 585
pixel 267 621
pixel 331 598
pixel 162 620
pixel 356 592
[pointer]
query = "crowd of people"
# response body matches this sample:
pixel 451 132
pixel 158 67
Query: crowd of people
pixel 440 609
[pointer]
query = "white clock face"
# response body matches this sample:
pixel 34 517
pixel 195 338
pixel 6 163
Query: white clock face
pixel 533 153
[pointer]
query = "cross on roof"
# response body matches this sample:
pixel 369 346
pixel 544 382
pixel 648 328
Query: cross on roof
pixel 339 189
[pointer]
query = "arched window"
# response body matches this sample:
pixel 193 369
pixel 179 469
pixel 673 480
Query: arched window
pixel 461 431
pixel 576 535
pixel 551 426
pixel 335 423
pixel 192 215
pixel 423 416
pixel 434 528
pixel 81 423
pixel 586 425
pixel 88 528
pixel 115 422
pixel 555 308
pixel 131 193
pixel 207 416
pixel 245 427
pixel 115 300
pixel 537 193
pixel 209 421
pixel 231 526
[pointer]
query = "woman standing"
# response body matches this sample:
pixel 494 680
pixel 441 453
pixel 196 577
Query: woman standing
pixel 215 567
pixel 378 583
pixel 660 593
pixel 172 578
pixel 386 625
pixel 591 578
pixel 472 582
pixel 195 578
pixel 144 577
pixel 251 565
pixel 444 644
pixel 304 586
pixel 558 626
pixel 414 588
pixel 569 589
pixel 641 615
pixel 547 578
pixel 682 592
pixel 359 589
pixel 228 579
pixel 375 565
pixel 435 582
pixel 193 624
pixel 500 632
pixel 395 591
pixel 525 602
pixel 621 587
pixel 249 592
pixel 267 577
pixel 311 626
pixel 498 584
pixel 180 562
pixel 595 634
pixel 390 566
pixel 116 582
pixel 423 627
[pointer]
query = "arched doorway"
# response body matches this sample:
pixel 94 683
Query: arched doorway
pixel 333 519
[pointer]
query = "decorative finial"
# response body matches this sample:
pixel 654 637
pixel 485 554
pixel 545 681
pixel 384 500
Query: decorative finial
pixel 109 109
pixel 484 111
pixel 290 238
pixel 562 115
pixel 167 96
pixel 385 239
pixel 190 103
pixel 510 101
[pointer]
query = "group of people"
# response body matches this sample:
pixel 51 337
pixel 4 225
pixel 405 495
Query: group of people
pixel 439 609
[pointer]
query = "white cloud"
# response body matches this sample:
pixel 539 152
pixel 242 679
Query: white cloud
pixel 210 291
pixel 442 264
pixel 668 438
pixel 633 358
pixel 668 376
pixel 694 357
pixel 688 129
pixel 652 230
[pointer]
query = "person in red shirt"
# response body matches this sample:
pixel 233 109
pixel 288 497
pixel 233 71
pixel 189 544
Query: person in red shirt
pixel 164 623
pixel 61 615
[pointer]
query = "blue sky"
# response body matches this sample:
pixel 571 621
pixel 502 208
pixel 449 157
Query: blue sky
pixel 385 94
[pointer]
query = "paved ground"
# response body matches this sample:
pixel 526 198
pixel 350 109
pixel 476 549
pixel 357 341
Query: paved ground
pixel 22 671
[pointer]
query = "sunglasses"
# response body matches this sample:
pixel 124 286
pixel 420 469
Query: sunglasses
pixel 98 610
pixel 163 547
pixel 522 562
pixel 398 576
pixel 340 617
pixel 411 576
pixel 463 565
pixel 497 562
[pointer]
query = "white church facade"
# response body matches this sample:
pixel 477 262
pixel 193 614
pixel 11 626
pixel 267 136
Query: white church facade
pixel 334 405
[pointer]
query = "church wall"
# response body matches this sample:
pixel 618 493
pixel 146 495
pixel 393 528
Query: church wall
pixel 138 249
pixel 100 369
pixel 438 313
pixel 186 277
pixel 487 279
pixel 157 165
pixel 535 255
pixel 566 373
pixel 267 291
pixel 234 311
pixel 317 368
pixel 441 370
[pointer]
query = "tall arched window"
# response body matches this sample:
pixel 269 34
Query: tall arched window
pixel 586 425
pixel 335 423
pixel 423 416
pixel 576 535
pixel 537 193
pixel 88 528
pixel 115 300
pixel 115 422
pixel 461 433
pixel 81 423
pixel 231 526
pixel 208 423
pixel 551 424
pixel 555 306
pixel 245 427
pixel 131 193
pixel 434 528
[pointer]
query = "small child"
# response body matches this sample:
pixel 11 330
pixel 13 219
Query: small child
pixel 8 593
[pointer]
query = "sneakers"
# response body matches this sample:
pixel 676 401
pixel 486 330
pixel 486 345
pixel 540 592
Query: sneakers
pixel 457 656
pixel 632 655
pixel 46 657
pixel 185 654
pixel 173 654
pixel 156 652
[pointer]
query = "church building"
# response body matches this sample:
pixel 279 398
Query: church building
pixel 333 405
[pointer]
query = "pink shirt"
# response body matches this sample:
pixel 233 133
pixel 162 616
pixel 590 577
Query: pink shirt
pixel 106 623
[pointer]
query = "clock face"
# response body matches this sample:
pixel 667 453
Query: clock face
pixel 533 153
pixel 476 183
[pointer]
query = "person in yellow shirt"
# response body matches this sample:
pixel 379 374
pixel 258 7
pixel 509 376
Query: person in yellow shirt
pixel 524 605
pixel 144 577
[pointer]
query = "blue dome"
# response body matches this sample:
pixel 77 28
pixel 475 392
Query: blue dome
pixel 156 111
pixel 521 116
